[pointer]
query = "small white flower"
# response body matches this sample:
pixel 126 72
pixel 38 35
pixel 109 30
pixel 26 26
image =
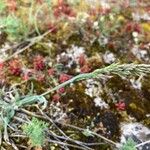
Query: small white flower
pixel 102 18
pixel 111 17
pixel 105 4
pixel 3 51
pixel 136 40
pixel 95 25
pixel 135 34
pixel 82 17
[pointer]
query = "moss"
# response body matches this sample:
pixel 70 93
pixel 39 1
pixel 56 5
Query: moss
pixel 107 124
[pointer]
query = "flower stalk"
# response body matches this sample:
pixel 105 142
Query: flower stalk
pixel 116 69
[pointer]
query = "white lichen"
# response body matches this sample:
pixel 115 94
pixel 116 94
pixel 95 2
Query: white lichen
pixel 141 54
pixel 72 54
pixel 93 88
pixel 109 57
pixel 100 103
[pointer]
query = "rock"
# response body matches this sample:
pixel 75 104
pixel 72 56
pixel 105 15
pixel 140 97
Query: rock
pixel 138 132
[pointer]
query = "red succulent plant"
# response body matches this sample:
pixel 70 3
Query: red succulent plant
pixel 15 67
pixel 51 71
pixel 40 77
pixel 85 69
pixel 39 1
pixel 130 27
pixel 51 26
pixel 120 105
pixel 61 90
pixel 56 98
pixel 64 77
pixel 38 62
pixel 82 60
pixel 1 65
pixel 12 5
pixel 63 8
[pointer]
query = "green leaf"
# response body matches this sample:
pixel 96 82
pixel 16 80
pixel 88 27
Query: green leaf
pixel 32 99
pixel 48 1
pixel 35 131
pixel 87 133
pixel 14 27
pixel 2 6
pixel 129 145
